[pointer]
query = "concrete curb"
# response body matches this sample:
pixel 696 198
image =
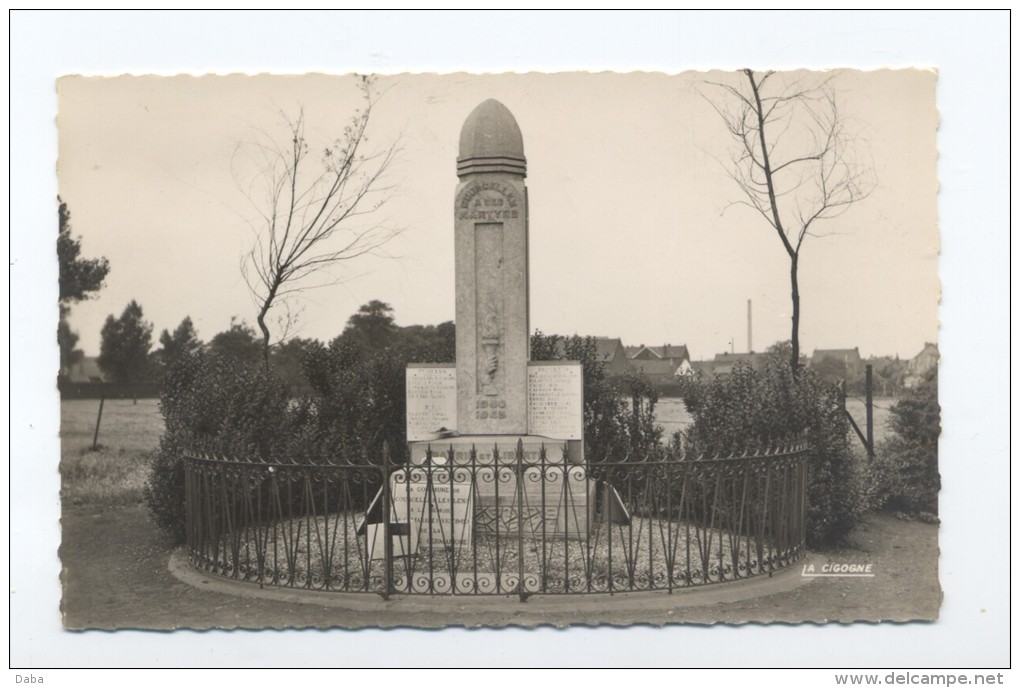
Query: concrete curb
pixel 448 609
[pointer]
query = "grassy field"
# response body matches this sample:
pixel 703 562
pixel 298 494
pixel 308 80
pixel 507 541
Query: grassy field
pixel 115 472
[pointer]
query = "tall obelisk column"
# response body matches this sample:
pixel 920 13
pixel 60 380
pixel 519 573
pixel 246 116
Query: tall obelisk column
pixel 491 253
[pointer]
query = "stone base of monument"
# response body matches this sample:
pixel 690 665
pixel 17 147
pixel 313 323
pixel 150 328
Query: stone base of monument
pixel 556 496
pixel 460 489
pixel 549 501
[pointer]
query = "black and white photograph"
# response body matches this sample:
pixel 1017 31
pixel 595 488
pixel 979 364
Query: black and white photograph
pixel 354 350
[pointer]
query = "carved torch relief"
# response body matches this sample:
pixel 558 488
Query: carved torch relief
pixel 489 204
pixel 489 304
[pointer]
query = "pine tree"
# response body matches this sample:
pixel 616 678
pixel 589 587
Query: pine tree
pixel 124 350
pixel 79 279
pixel 183 341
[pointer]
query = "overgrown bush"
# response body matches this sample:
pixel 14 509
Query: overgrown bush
pixel 750 409
pixel 358 399
pixel 232 407
pixel 905 472
pixel 220 405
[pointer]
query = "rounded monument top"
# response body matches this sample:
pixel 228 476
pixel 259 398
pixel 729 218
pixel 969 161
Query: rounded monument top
pixel 491 141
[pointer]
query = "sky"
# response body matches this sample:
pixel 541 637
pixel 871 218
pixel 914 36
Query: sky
pixel 633 228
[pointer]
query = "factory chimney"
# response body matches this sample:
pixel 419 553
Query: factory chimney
pixel 750 349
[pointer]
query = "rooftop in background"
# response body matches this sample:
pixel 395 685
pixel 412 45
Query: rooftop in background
pixel 666 351
pixel 842 354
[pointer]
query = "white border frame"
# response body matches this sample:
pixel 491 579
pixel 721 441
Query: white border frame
pixel 970 50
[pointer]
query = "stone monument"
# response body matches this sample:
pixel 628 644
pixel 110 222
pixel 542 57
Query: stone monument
pixel 467 422
pixel 493 397
pixel 491 250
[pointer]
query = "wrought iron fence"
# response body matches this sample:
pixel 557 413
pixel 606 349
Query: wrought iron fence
pixel 477 521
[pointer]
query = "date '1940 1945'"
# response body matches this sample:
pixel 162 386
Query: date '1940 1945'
pixel 490 408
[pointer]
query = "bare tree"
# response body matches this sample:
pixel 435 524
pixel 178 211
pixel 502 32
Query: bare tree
pixel 795 163
pixel 312 214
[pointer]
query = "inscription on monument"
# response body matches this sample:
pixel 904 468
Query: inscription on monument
pixel 556 401
pixel 488 202
pixel 431 401
pixel 490 408
pixel 437 505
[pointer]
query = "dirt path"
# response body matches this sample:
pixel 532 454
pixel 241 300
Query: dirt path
pixel 116 575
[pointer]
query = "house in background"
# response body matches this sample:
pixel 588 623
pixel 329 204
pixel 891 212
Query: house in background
pixel 704 368
pixel 724 363
pixel 889 374
pixel 838 364
pixel 921 364
pixel 648 353
pixel 611 351
pixel 661 364
pixel 85 370
pixel 659 372
pixel 632 351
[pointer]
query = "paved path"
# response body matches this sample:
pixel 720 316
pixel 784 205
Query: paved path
pixel 490 610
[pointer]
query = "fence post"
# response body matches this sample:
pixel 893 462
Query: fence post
pixel 870 417
pixel 520 520
pixel 609 528
pixel 866 440
pixel 803 500
pixel 99 418
pixel 387 530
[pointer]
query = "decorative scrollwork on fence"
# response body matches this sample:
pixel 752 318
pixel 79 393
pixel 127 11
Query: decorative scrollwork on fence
pixel 503 527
